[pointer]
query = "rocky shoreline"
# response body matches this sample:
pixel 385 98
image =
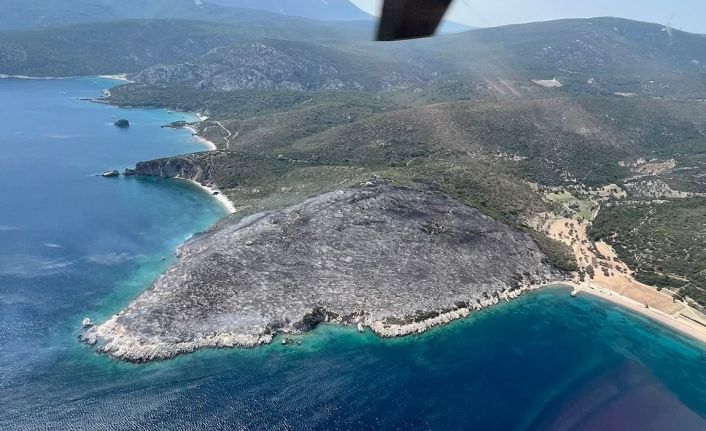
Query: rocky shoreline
pixel 386 330
pixel 395 260
pixel 131 349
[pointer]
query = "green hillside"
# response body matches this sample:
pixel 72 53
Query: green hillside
pixel 502 119
pixel 130 46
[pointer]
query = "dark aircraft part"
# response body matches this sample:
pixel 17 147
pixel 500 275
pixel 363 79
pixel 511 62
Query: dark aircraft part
pixel 409 19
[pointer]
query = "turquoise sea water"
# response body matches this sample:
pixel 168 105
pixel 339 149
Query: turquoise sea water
pixel 72 244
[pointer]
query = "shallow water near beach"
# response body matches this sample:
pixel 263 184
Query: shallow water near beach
pixel 73 244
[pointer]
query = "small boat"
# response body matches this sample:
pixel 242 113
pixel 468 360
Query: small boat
pixel 109 174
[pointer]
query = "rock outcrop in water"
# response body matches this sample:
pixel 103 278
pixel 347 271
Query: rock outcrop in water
pixel 122 124
pixel 393 259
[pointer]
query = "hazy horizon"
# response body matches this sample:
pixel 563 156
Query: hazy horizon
pixel 681 14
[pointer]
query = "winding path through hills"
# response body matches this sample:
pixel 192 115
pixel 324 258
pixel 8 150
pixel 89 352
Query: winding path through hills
pixel 230 134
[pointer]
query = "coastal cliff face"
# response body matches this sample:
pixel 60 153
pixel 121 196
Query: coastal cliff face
pixel 226 171
pixel 396 260
pixel 206 168
pixel 188 167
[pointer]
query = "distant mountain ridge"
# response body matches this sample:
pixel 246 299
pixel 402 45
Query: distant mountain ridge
pixel 25 14
pixel 597 55
pixel 134 45
pixel 325 10
pixel 600 55
pixel 20 14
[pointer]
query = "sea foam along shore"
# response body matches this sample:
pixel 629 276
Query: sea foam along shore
pixel 691 329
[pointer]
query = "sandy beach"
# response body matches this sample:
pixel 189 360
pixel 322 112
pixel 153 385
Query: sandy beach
pixel 217 194
pixel 210 145
pixel 613 281
pixel 220 197
pixel 675 322
pixel 118 77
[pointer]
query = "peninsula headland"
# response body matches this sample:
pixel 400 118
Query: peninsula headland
pixel 393 259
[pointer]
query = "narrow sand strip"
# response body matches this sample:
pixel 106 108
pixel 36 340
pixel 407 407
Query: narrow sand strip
pixel 681 325
pixel 210 145
pixel 117 77
pixel 220 197
pixel 215 193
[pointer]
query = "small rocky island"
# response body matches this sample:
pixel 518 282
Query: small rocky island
pixel 122 124
pixel 393 259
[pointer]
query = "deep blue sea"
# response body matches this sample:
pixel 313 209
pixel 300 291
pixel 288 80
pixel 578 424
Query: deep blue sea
pixel 73 244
